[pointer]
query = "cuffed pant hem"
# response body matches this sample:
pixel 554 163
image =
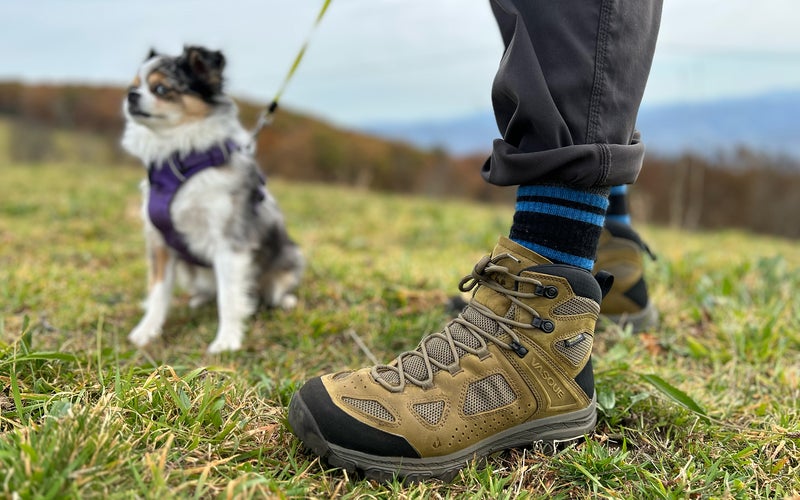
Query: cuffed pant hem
pixel 580 165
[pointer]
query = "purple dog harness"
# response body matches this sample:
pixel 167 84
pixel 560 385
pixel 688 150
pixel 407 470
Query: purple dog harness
pixel 167 178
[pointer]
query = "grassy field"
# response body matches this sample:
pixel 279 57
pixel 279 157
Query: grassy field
pixel 85 415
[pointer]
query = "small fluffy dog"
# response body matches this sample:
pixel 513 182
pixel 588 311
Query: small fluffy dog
pixel 209 220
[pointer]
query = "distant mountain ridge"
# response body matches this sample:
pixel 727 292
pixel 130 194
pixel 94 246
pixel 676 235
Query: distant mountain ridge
pixel 765 123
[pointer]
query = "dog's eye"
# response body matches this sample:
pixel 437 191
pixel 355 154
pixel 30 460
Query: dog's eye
pixel 160 90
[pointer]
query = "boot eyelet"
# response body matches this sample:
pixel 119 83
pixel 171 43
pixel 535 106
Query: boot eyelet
pixel 518 348
pixel 550 292
pixel 544 325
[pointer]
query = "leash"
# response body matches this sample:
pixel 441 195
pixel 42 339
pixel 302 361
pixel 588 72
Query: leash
pixel 267 114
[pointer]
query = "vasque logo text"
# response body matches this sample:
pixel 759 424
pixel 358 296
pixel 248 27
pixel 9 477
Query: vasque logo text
pixel 549 380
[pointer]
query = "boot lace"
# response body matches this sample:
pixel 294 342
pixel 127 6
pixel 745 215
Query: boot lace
pixel 469 332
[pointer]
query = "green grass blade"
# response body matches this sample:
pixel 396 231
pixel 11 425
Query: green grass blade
pixel 15 394
pixel 674 394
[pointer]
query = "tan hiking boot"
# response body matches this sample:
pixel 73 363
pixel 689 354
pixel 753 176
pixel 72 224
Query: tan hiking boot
pixel 513 369
pixel 621 253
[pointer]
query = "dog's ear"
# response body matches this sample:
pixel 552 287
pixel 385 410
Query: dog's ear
pixel 206 65
pixel 151 54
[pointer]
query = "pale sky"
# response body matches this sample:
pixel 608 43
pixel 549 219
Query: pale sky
pixel 380 60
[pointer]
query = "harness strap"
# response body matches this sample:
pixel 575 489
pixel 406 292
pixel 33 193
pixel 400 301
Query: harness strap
pixel 165 180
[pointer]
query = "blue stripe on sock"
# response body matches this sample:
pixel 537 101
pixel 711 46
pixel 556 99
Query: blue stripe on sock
pixel 585 197
pixel 560 211
pixel 622 219
pixel 566 258
pixel 618 190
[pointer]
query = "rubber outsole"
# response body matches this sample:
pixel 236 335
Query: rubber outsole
pixel 545 435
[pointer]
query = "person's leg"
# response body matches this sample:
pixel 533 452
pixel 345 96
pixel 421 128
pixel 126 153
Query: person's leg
pixel 566 97
pixel 585 96
pixel 568 90
pixel 514 368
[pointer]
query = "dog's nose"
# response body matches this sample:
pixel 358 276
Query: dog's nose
pixel 133 98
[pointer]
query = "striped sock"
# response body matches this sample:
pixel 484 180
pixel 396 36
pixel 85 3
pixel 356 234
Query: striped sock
pixel 618 205
pixel 560 223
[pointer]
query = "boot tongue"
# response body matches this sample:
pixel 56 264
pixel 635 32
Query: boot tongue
pixel 526 257
pixel 518 258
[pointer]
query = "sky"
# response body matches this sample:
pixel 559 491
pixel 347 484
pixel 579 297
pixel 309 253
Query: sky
pixel 379 61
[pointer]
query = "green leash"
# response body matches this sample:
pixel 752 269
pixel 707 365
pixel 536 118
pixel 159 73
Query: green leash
pixel 267 114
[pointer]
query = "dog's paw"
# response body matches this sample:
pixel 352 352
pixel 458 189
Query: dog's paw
pixel 223 344
pixel 142 335
pixel 288 301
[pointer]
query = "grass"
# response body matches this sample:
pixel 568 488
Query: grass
pixel 82 414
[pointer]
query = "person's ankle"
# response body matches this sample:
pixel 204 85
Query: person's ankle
pixel 561 223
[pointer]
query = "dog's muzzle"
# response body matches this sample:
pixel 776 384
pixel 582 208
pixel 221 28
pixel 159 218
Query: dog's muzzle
pixel 133 98
pixel 133 104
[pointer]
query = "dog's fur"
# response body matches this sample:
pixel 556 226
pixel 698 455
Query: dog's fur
pixel 176 105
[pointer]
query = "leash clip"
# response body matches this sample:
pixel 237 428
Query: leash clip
pixel 265 118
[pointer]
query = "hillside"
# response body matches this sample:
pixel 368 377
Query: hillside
pixel 78 124
pixel 295 147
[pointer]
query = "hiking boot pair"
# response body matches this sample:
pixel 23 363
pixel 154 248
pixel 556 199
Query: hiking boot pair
pixel 513 369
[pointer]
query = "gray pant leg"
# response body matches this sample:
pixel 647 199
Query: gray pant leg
pixel 568 89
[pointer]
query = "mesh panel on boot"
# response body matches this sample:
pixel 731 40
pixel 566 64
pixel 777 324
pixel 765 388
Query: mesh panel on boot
pixel 488 394
pixel 390 376
pixel 464 336
pixel 576 306
pixel 486 324
pixel 414 366
pixel 430 412
pixel 439 349
pixel 370 407
pixel 575 353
